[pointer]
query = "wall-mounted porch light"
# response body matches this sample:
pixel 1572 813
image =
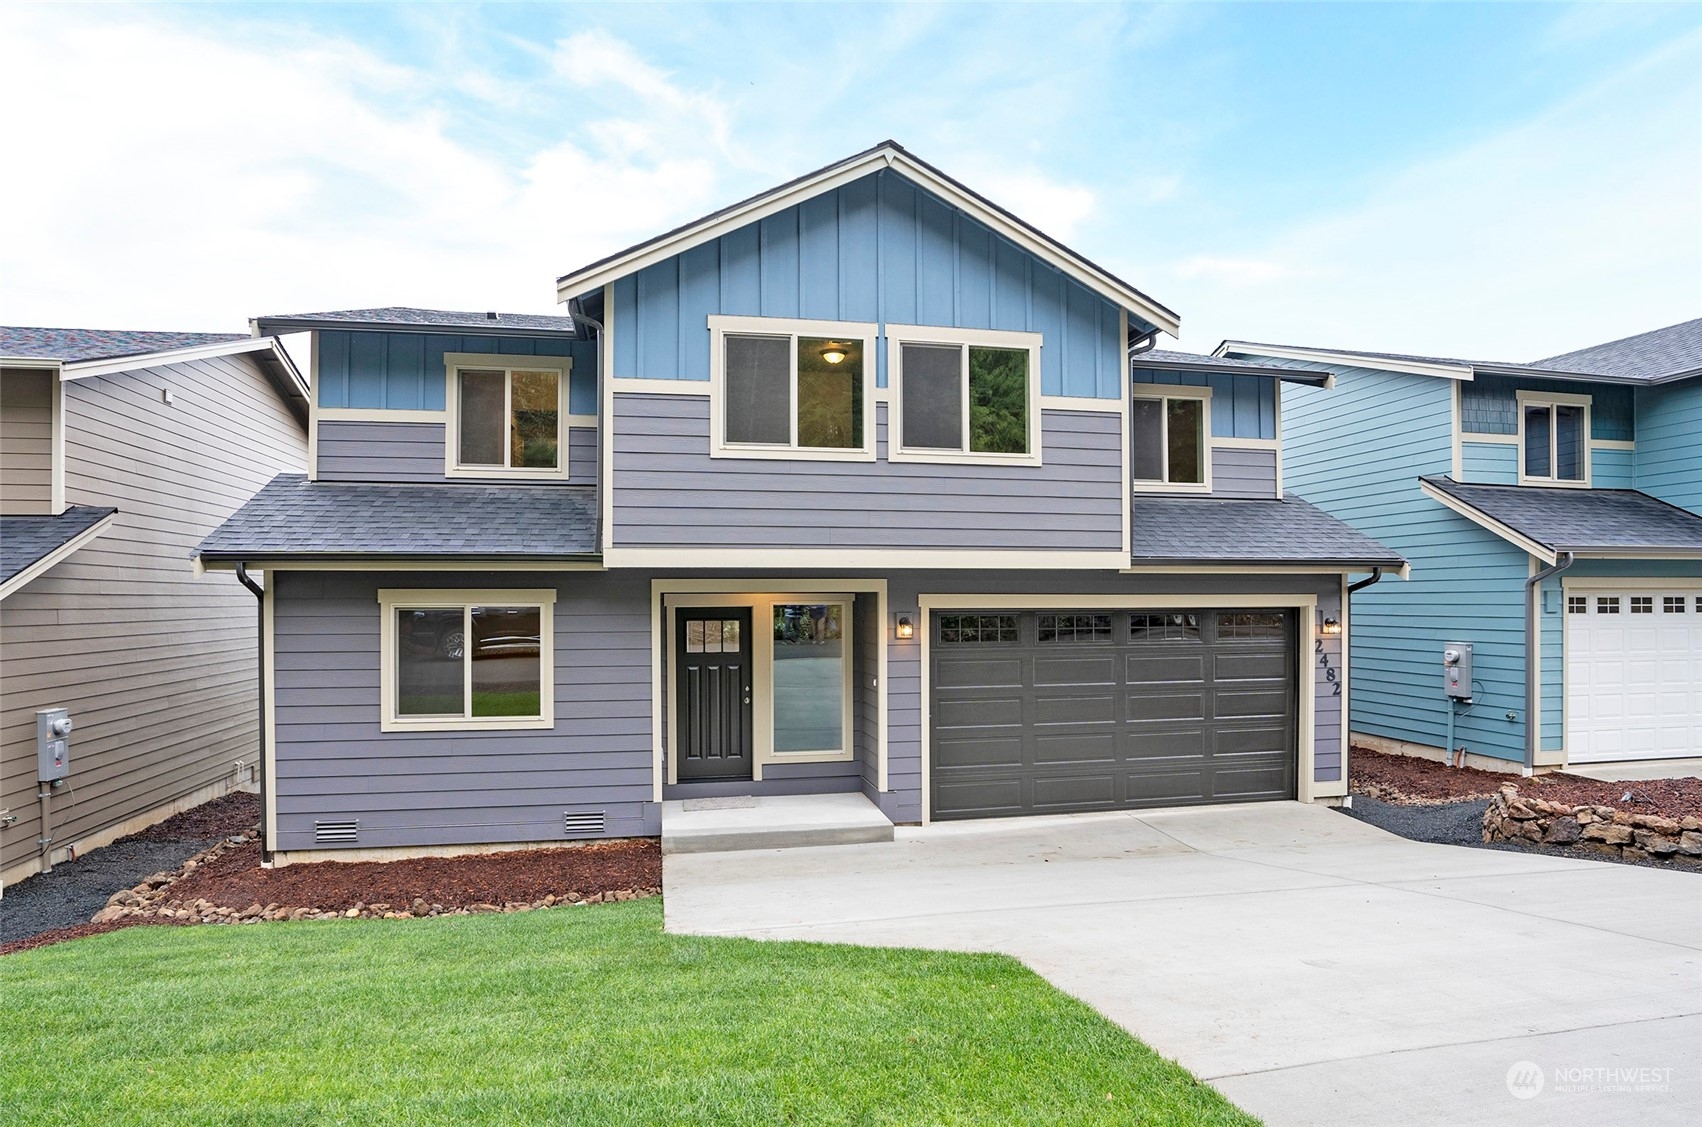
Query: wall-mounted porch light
pixel 904 629
pixel 833 353
pixel 1331 626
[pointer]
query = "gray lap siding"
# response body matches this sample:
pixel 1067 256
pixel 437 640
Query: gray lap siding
pixel 414 452
pixel 669 492
pixel 435 788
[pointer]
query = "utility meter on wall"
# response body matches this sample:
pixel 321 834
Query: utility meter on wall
pixel 1457 670
pixel 52 750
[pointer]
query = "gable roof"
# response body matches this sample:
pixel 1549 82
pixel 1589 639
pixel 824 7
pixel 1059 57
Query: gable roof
pixel 1613 523
pixel 1169 361
pixel 1655 357
pixel 292 518
pixel 1195 530
pixel 29 545
pixel 886 155
pixel 422 320
pixel 72 345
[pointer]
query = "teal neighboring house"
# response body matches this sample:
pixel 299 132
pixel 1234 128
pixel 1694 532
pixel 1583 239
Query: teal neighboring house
pixel 1550 512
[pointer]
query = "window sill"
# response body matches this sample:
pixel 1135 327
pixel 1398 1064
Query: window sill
pixel 955 458
pixel 775 758
pixel 498 473
pixel 1169 487
pixel 1552 483
pixel 478 724
pixel 793 453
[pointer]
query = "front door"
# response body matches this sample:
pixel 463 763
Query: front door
pixel 712 662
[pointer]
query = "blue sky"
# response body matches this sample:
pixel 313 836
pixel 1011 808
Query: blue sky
pixel 1505 181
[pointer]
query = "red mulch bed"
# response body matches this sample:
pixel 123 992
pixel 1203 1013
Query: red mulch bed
pixel 235 879
pixel 226 816
pixel 1398 778
pixel 1411 780
pixel 80 931
pixel 1669 798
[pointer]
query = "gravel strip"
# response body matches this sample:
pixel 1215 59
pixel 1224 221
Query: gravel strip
pixel 1461 823
pixel 76 890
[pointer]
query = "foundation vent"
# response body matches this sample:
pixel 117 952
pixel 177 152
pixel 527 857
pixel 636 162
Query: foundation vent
pixel 583 823
pixel 336 833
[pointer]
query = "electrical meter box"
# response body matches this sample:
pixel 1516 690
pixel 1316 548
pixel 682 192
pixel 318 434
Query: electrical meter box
pixel 1457 670
pixel 52 744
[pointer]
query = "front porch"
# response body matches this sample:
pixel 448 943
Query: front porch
pixel 721 825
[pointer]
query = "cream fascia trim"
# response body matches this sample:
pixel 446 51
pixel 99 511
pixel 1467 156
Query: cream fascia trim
pixel 454 363
pixel 379 415
pixel 1612 444
pixel 86 368
pixel 1483 520
pixel 1472 438
pixel 390 599
pixel 762 606
pixel 1551 400
pixel 1305 606
pixel 1163 392
pixel 1079 403
pixel 1348 360
pixel 1245 443
pixel 445 565
pixel 897 336
pixel 638 386
pixel 1118 293
pixel 35 570
pixel 801 558
pixel 791 329
pixel 723 592
pixel 1457 422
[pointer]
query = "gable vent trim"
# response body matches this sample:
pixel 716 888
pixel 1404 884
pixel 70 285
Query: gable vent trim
pixel 325 833
pixel 583 822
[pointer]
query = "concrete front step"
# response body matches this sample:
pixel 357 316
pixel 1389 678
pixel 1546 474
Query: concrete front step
pixel 771 822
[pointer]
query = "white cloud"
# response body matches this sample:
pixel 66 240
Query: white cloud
pixel 1579 226
pixel 182 179
pixel 1051 205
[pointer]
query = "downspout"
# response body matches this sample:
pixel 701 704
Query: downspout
pixel 603 425
pixel 260 678
pixel 1144 344
pixel 1376 574
pixel 1533 675
pixel 1347 617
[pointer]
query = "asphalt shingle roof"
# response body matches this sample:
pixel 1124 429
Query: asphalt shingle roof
pixel 1582 520
pixel 26 539
pixel 1674 350
pixel 1162 358
pixel 72 345
pixel 437 320
pixel 295 518
pixel 1206 530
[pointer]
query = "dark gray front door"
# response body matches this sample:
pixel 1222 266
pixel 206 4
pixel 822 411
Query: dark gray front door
pixel 1036 712
pixel 712 654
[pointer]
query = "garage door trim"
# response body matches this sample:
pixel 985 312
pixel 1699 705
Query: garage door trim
pixel 1305 607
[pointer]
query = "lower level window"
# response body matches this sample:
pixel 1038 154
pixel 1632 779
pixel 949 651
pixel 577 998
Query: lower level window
pixel 811 675
pixel 478 660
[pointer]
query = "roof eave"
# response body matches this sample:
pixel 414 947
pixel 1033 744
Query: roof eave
pixel 1345 359
pixel 281 325
pixel 36 568
pixel 222 558
pixel 1288 375
pixel 887 155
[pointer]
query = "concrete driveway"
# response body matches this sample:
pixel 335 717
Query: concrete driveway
pixel 1313 968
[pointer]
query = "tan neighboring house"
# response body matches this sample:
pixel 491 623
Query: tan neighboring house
pixel 119 452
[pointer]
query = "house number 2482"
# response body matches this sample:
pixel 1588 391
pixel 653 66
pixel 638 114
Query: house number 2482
pixel 1329 670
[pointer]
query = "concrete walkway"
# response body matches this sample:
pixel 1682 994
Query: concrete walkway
pixel 1314 968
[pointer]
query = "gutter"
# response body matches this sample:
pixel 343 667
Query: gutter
pixel 1376 574
pixel 260 677
pixel 1533 675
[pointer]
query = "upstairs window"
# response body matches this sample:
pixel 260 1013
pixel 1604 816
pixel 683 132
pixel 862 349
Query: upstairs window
pixel 507 416
pixel 1168 438
pixel 791 389
pixel 1554 439
pixel 965 395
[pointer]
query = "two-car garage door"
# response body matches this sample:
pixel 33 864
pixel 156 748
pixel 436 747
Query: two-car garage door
pixel 1042 712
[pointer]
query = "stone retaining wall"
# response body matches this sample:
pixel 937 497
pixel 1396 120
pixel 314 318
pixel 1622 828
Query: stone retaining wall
pixel 1614 833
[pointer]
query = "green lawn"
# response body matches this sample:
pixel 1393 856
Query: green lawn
pixel 581 1015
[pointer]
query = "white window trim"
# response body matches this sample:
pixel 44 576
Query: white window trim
pixel 391 599
pixel 762 673
pixel 1552 399
pixel 1164 392
pixel 454 363
pixel 720 326
pixel 899 335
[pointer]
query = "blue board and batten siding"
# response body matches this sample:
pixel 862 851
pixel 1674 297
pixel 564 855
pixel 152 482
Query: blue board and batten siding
pixel 878 250
pixel 669 492
pixel 1241 406
pixel 401 371
pixel 1357 452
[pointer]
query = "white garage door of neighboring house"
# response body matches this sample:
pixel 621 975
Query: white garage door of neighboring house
pixel 1633 673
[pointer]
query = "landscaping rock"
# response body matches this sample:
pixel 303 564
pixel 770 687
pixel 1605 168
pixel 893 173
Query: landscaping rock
pixel 1563 830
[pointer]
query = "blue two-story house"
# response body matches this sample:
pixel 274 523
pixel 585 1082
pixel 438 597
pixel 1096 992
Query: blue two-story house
pixel 862 487
pixel 1550 512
